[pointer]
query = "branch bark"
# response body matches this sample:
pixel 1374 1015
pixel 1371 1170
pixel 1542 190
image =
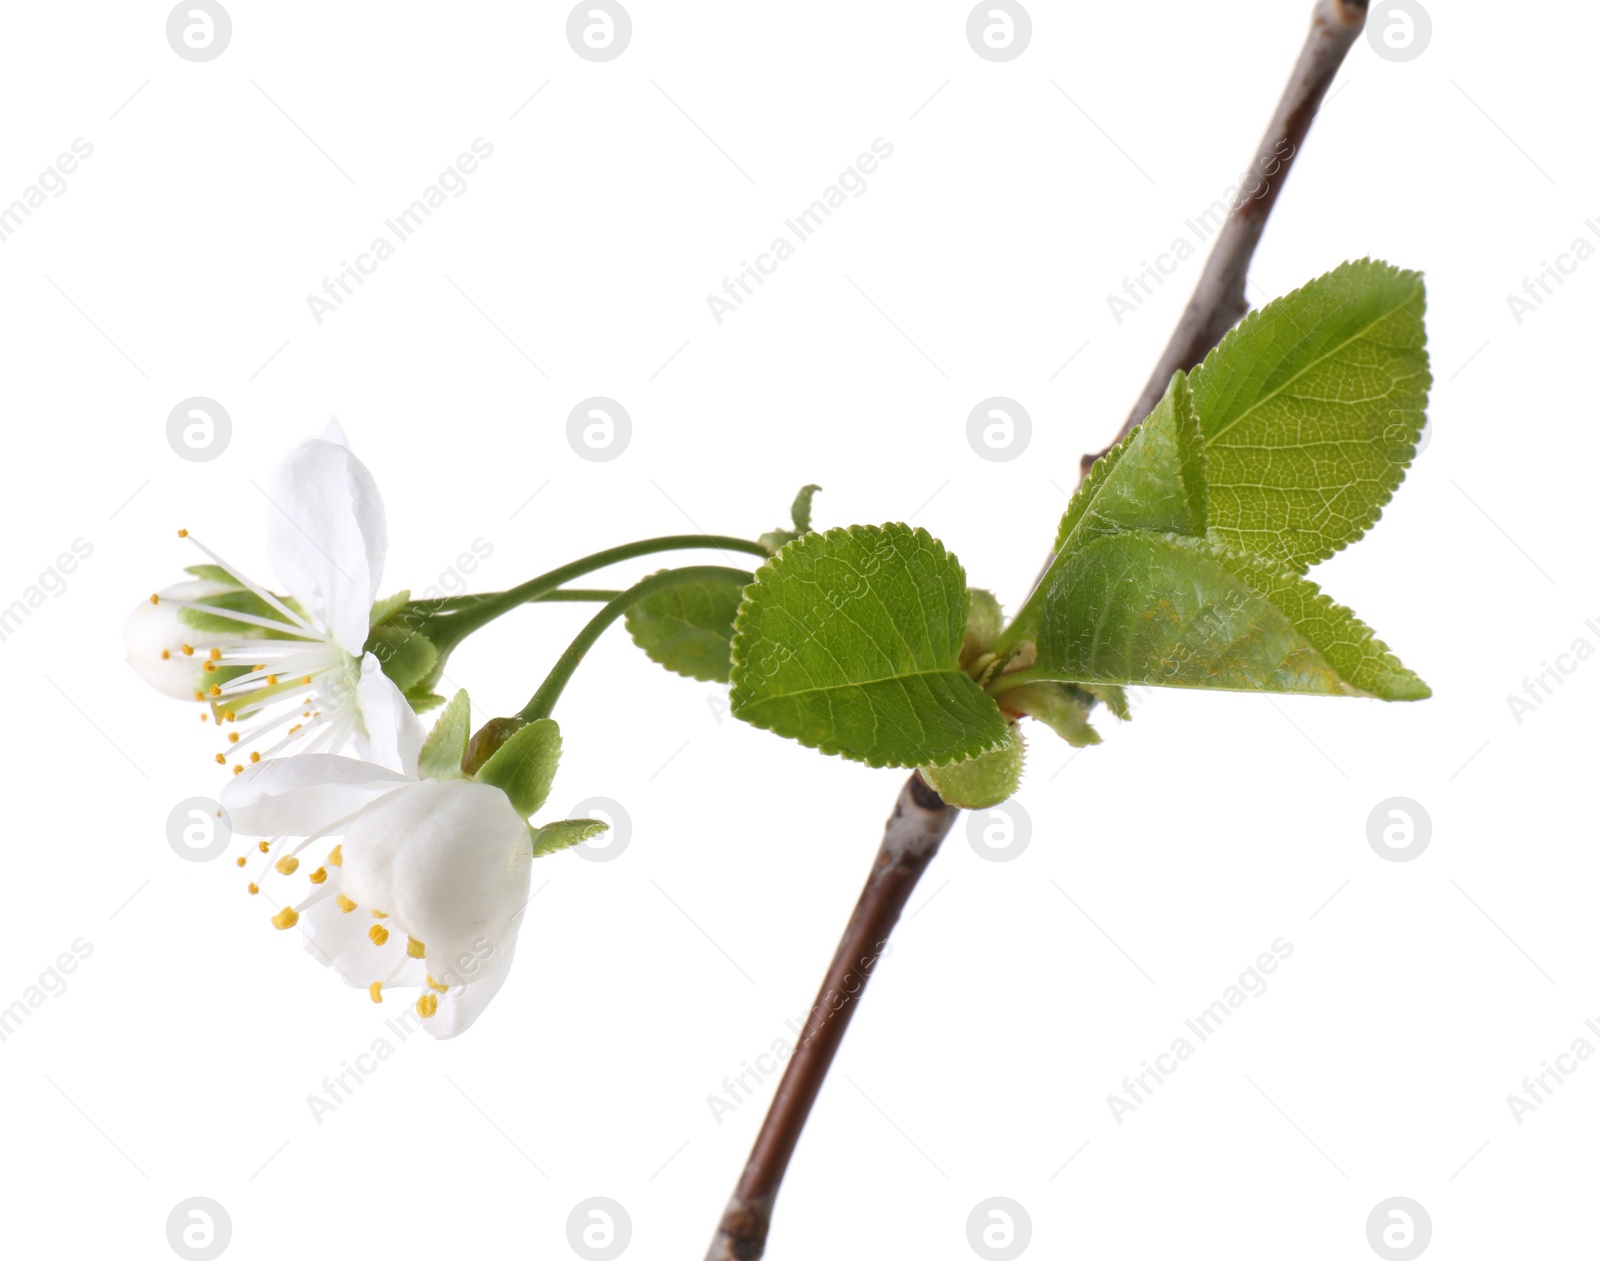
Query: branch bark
pixel 911 838
pixel 921 820
pixel 1218 301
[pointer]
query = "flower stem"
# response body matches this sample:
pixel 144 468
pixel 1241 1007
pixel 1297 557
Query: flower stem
pixel 544 700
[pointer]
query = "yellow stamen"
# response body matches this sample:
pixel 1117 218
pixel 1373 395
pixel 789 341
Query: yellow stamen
pixel 286 918
pixel 216 654
pixel 378 934
pixel 155 599
pixel 345 904
pixel 415 949
pixel 221 761
pixel 337 856
pixel 319 875
pixel 187 650
pixel 427 1005
pixel 239 861
pixel 263 846
pixel 166 655
pixel 286 865
pixel 233 737
pixel 380 915
pixel 434 985
pixel 255 757
pixel 254 888
pixel 214 690
pixel 237 769
pixel 183 534
pixel 272 680
pixel 376 990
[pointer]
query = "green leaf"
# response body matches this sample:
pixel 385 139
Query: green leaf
pixel 1060 706
pixel 800 510
pixel 984 620
pixel 982 781
pixel 1155 479
pixel 421 700
pixel 1311 410
pixel 525 765
pixel 689 628
pixel 446 744
pixel 407 656
pixel 1180 612
pixel 850 643
pixel 564 834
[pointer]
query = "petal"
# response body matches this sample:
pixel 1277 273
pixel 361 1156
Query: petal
pixel 463 1004
pixel 340 940
pixel 152 629
pixel 300 795
pixel 327 536
pixel 392 735
pixel 451 861
pixel 333 432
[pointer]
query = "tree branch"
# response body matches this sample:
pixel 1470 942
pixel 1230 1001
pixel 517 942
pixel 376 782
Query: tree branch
pixel 921 820
pixel 911 838
pixel 1218 302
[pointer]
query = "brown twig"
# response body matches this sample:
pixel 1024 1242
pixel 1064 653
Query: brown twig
pixel 1218 301
pixel 911 838
pixel 921 820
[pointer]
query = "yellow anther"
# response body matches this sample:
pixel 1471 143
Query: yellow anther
pixel 378 934
pixel 237 769
pixel 415 949
pixel 295 728
pixel 166 654
pixel 286 918
pixel 380 915
pixel 376 990
pixel 187 650
pixel 199 696
pixel 427 1005
pixel 216 654
pixel 345 904
pixel 306 680
pixel 263 846
pixel 239 861
pixel 336 856
pixel 233 737
pixel 272 680
pixel 254 887
pixel 286 865
pixel 155 599
pixel 183 534
pixel 228 716
pixel 318 876
pixel 221 761
pixel 215 690
pixel 255 757
pixel 434 985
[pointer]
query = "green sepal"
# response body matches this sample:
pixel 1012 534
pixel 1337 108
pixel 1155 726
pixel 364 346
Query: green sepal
pixel 554 837
pixel 384 609
pixel 984 620
pixel 407 656
pixel 240 601
pixel 982 781
pixel 524 767
pixel 446 744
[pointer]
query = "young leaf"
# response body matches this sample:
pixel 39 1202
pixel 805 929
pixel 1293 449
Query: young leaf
pixel 446 744
pixel 407 656
pixel 689 628
pixel 850 643
pixel 1311 410
pixel 1155 479
pixel 1060 706
pixel 800 514
pixel 525 765
pixel 564 834
pixel 1179 612
pixel 983 781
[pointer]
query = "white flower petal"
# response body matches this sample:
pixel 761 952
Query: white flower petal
pixel 393 736
pixel 341 940
pixel 152 629
pixel 301 795
pixel 327 536
pixel 333 431
pixel 451 862
pixel 463 1004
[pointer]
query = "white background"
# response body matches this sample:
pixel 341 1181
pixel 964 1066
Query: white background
pixel 1020 994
